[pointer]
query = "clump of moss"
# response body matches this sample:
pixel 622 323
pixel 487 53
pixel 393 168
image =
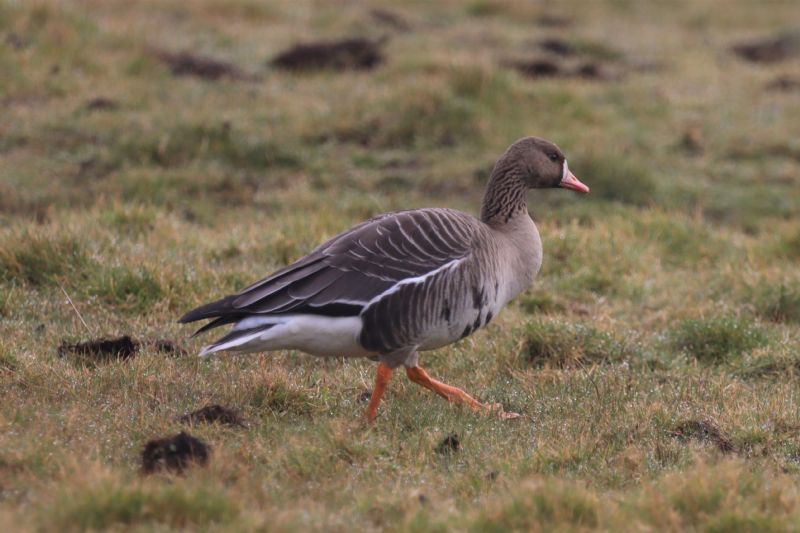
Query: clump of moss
pixel 715 340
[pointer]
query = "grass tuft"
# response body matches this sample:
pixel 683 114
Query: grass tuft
pixel 789 245
pixel 281 399
pixel 484 8
pixel 715 340
pixel 215 141
pixel 540 504
pixel 133 290
pixel 421 117
pixel 39 259
pixel 130 220
pixel 110 507
pixel 540 300
pixel 559 344
pixel 704 430
pixel 8 361
pixel 685 243
pixel 779 303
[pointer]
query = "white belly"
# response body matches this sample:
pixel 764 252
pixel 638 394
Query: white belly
pixel 315 335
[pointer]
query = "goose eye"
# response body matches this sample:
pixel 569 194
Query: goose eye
pixel 553 156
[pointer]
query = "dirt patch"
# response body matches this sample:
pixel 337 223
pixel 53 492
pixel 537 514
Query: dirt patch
pixel 692 142
pixel 557 46
pixel 167 346
pixel 538 68
pixel 771 49
pixel 101 104
pixel 784 84
pixel 593 71
pixel 15 41
pixel 364 396
pixel 391 20
pixel 213 414
pixel 546 68
pixel 347 54
pixel 450 444
pixel 101 350
pixel 704 430
pixel 207 68
pixel 561 58
pixel 104 350
pixel 174 454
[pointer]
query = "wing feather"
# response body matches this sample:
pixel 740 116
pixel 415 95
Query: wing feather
pixel 342 275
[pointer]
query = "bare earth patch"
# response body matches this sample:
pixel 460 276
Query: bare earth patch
pixel 546 68
pixel 174 454
pixel 101 350
pixel 101 103
pixel 784 84
pixel 207 68
pixel 115 349
pixel 346 54
pixel 450 444
pixel 770 49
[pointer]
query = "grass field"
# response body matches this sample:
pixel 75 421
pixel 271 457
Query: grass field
pixel 655 360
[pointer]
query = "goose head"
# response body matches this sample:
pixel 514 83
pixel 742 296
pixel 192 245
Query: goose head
pixel 542 165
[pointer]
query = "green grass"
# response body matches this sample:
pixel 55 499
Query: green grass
pixel 668 297
pixel 38 259
pixel 564 345
pixel 618 179
pixel 130 290
pixel 716 339
pixel 107 507
pixel 779 302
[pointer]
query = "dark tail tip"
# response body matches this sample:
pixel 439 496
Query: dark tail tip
pixel 212 310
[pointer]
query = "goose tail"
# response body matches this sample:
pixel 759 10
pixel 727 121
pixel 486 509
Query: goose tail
pixel 237 340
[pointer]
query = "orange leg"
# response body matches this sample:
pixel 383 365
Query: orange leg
pixel 381 381
pixel 454 394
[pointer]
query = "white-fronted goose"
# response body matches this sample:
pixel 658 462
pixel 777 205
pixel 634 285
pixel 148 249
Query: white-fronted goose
pixel 402 282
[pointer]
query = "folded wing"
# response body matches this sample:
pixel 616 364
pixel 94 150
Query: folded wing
pixel 343 275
